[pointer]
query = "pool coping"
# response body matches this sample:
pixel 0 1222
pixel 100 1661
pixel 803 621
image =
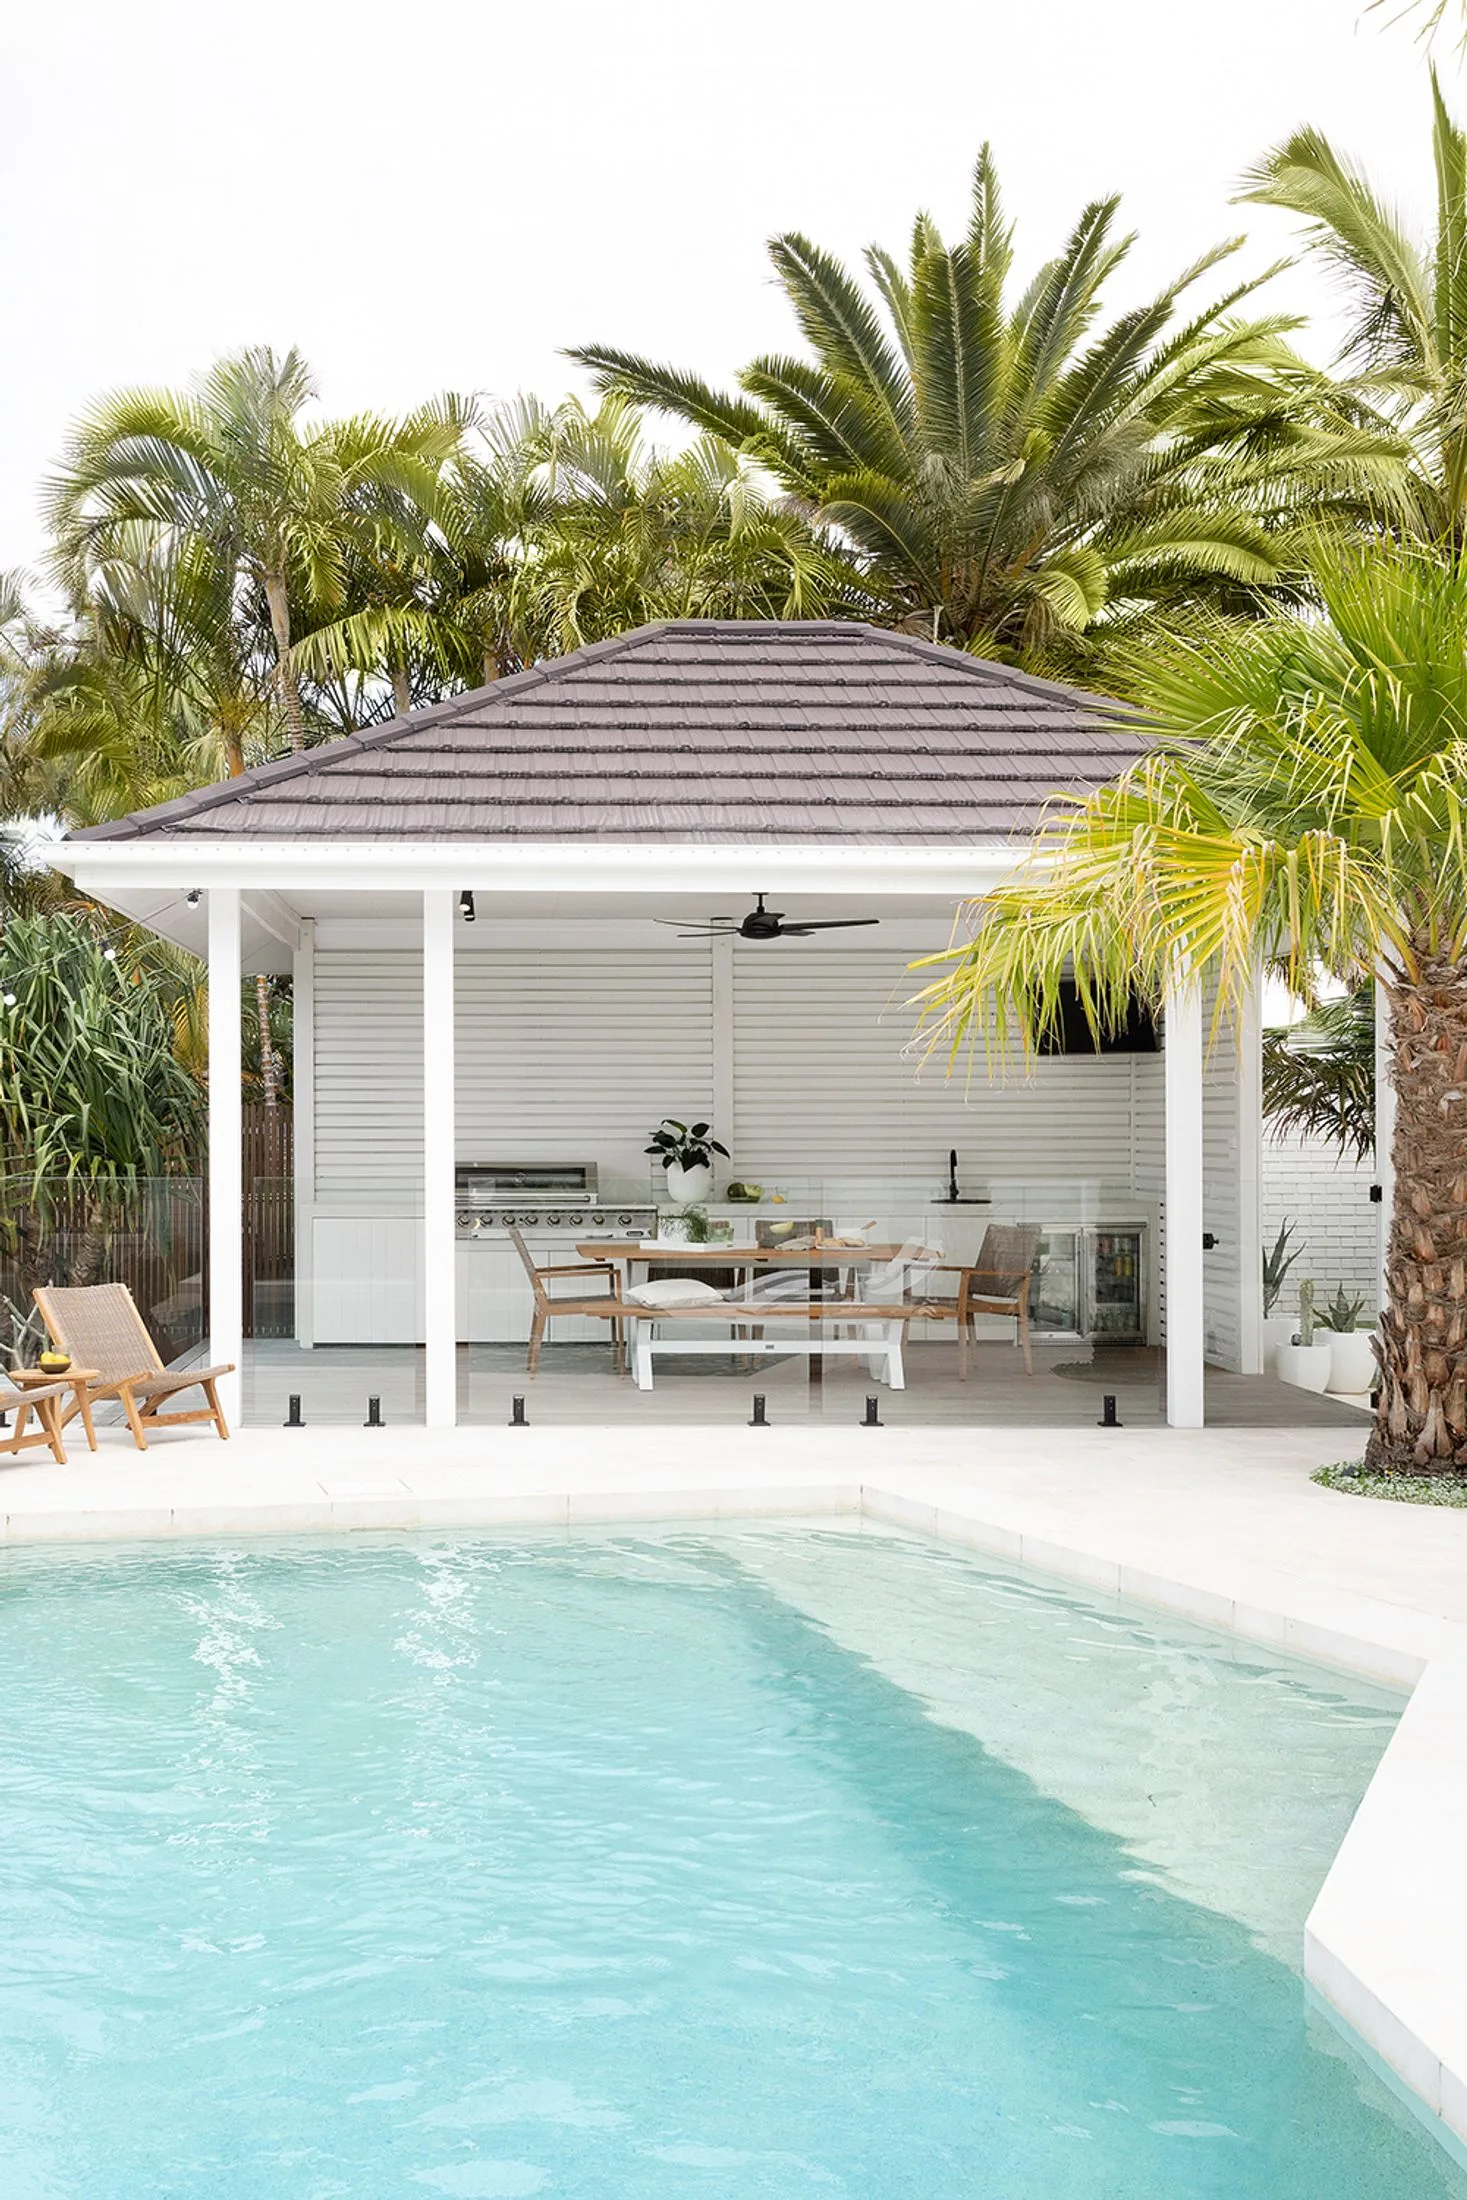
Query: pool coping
pixel 1385 1944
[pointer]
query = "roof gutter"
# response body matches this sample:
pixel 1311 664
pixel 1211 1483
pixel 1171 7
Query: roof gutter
pixel 550 867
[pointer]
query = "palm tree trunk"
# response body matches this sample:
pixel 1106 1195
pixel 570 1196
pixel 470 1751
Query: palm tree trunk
pixel 402 693
pixel 269 1065
pixel 1421 1422
pixel 290 694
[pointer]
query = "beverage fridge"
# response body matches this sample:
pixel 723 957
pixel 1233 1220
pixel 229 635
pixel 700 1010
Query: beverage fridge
pixel 1091 1282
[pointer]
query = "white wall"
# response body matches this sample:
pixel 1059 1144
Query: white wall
pixel 1328 1200
pixel 574 1053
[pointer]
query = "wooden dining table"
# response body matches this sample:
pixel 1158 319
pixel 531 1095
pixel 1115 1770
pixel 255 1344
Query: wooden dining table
pixel 817 1256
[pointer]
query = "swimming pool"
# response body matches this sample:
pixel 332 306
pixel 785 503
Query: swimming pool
pixel 757 1862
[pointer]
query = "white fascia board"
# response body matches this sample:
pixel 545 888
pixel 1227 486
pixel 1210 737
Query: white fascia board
pixel 105 867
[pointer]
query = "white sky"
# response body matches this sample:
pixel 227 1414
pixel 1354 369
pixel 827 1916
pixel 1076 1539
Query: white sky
pixel 443 194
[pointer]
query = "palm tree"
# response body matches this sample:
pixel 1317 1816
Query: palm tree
pixel 558 526
pixel 1011 468
pixel 1319 1074
pixel 1405 352
pixel 1304 804
pixel 276 507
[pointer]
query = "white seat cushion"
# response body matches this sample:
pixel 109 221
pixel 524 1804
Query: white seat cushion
pixel 675 1291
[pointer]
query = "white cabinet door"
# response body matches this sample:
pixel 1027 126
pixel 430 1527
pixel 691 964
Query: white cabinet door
pixel 368 1279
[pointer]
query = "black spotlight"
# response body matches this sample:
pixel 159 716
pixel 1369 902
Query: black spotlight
pixel 293 1414
pixel 517 1413
pixel 466 906
pixel 760 1418
pixel 873 1413
pixel 193 897
pixel 1108 1411
pixel 374 1413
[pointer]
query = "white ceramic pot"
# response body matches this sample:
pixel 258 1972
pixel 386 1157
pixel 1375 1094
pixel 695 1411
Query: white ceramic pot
pixel 689 1187
pixel 1352 1364
pixel 1277 1329
pixel 1304 1365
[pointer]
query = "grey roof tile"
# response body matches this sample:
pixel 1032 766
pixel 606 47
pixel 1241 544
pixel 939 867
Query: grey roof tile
pixel 692 731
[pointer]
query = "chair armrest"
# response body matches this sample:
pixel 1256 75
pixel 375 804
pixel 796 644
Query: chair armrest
pixel 581 1268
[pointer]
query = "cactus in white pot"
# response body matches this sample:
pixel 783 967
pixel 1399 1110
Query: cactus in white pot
pixel 1305 1362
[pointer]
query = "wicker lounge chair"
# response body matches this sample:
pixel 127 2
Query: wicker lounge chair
pixel 46 1398
pixel 100 1327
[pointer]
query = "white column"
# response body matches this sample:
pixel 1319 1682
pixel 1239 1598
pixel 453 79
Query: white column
pixel 303 1103
pixel 1184 1281
pixel 226 1145
pixel 1250 1182
pixel 1385 1129
pixel 721 950
pixel 440 1130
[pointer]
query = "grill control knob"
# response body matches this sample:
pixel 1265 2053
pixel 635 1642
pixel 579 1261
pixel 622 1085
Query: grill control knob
pixel 624 1218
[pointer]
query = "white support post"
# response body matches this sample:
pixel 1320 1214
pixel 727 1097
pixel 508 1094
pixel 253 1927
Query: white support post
pixel 303 1102
pixel 226 1145
pixel 1184 1279
pixel 721 951
pixel 1250 1182
pixel 1385 1129
pixel 440 1128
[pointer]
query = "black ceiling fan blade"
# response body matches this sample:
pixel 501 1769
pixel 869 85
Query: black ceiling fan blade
pixel 711 932
pixel 689 925
pixel 826 924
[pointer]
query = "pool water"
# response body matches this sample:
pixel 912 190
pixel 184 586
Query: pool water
pixel 750 1863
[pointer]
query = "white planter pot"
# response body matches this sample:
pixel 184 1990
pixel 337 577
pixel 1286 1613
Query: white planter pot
pixel 1304 1365
pixel 1352 1364
pixel 689 1187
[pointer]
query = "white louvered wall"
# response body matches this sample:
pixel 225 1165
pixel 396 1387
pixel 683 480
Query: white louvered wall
pixel 369 1074
pixel 573 1055
pixel 573 1052
pixel 822 1088
pixel 562 1055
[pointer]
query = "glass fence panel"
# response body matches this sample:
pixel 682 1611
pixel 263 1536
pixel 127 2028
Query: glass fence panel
pixel 334 1311
pixel 146 1233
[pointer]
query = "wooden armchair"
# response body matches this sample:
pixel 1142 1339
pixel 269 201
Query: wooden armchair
pixel 600 1305
pixel 997 1283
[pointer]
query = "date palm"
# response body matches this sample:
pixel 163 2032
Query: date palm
pixel 1303 804
pixel 1012 467
pixel 1405 350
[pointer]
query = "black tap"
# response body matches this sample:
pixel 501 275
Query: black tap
pixel 952 1176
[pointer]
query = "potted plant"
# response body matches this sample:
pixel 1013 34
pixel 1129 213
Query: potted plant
pixel 1306 1361
pixel 686 1154
pixel 1352 1361
pixel 1278 1328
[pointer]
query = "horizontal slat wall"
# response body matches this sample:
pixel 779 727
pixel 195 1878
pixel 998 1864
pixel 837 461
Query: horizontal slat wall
pixel 824 1089
pixel 369 1073
pixel 575 1054
pixel 1220 1213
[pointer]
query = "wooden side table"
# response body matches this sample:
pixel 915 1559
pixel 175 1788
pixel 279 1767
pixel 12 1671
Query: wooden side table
pixel 76 1380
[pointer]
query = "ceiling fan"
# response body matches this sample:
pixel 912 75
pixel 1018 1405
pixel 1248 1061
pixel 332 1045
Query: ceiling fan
pixel 765 924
